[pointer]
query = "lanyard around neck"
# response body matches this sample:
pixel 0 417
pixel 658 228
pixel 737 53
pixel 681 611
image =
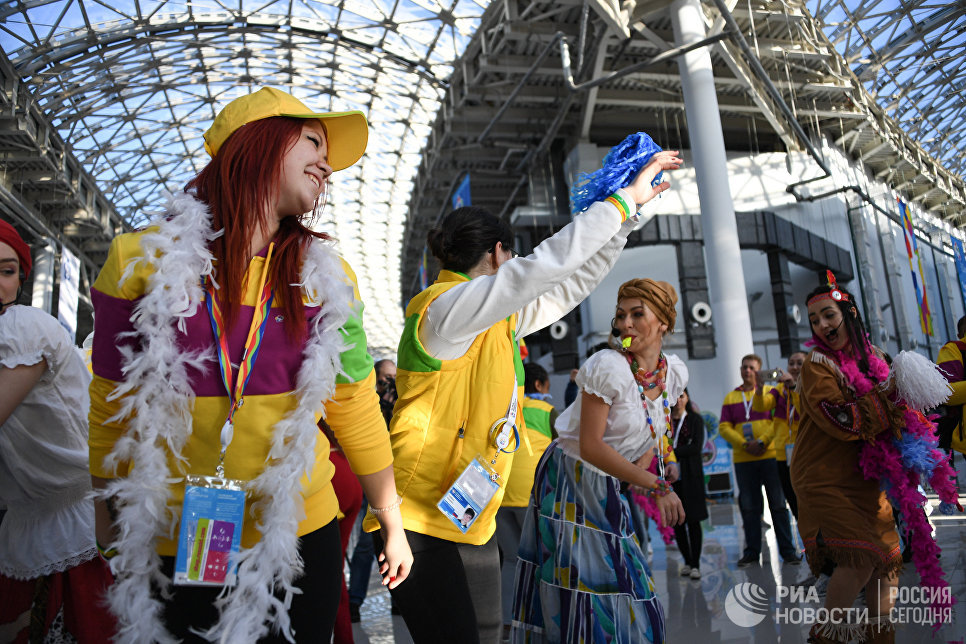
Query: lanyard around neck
pixel 255 334
pixel 747 404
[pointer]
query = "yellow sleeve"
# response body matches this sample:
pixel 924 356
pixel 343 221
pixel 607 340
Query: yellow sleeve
pixel 765 401
pixel 727 429
pixel 355 419
pixel 958 397
pixel 767 433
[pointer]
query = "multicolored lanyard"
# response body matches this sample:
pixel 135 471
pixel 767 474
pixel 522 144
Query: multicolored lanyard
pixel 255 333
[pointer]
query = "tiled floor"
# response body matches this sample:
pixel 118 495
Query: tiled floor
pixel 696 610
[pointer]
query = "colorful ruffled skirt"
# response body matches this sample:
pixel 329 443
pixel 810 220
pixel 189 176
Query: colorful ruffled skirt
pixel 581 575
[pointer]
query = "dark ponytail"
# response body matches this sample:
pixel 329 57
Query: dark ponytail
pixel 854 328
pixel 465 236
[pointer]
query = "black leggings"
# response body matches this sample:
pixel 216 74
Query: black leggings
pixel 688 536
pixel 312 613
pixel 784 474
pixel 452 593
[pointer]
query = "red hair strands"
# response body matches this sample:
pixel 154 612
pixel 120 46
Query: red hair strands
pixel 240 185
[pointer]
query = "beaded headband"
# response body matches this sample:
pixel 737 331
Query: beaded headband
pixel 833 294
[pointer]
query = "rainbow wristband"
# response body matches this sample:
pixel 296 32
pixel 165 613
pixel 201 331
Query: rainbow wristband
pixel 618 202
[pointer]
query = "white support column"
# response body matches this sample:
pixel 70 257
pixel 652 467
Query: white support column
pixel 43 273
pixel 726 281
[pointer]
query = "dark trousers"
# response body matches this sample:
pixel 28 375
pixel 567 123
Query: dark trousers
pixel 688 536
pixel 312 613
pixel 751 476
pixel 452 593
pixel 786 478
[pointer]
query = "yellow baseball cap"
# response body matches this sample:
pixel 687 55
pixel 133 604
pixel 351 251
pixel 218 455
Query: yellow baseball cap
pixel 347 132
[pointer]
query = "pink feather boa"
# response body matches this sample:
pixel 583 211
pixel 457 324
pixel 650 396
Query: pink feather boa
pixel 650 508
pixel 882 460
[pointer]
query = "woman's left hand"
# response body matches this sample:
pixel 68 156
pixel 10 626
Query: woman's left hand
pixel 396 558
pixel 671 472
pixel 672 512
pixel 641 189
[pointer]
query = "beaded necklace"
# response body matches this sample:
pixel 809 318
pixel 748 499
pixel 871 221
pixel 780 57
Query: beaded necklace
pixel 650 380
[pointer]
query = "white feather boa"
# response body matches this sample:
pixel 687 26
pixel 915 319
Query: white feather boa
pixel 157 400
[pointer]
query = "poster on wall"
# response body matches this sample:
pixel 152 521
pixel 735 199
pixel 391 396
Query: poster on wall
pixel 69 281
pixel 915 267
pixel 960 254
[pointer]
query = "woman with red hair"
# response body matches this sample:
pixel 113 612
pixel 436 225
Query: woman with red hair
pixel 223 332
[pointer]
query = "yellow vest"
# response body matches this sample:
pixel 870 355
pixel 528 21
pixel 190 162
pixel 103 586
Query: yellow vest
pixel 520 483
pixel 443 416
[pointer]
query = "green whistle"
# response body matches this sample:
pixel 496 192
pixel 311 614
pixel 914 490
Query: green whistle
pixel 626 343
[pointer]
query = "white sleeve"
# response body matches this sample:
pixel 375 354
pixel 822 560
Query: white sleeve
pixel 598 375
pixel 456 317
pixel 29 335
pixel 677 377
pixel 556 303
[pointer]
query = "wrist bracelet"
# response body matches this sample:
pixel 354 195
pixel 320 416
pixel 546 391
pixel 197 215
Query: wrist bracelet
pixel 661 488
pixel 388 508
pixel 618 202
pixel 110 553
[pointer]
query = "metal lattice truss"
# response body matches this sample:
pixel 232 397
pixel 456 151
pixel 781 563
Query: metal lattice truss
pixel 104 102
pixel 514 106
pixel 909 55
pixel 131 85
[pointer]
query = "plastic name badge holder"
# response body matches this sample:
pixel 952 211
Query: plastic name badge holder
pixel 211 528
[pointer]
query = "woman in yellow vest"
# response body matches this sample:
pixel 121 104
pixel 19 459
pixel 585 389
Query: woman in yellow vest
pixel 784 399
pixel 457 421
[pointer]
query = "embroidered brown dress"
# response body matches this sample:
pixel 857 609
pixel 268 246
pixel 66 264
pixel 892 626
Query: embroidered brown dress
pixel 842 516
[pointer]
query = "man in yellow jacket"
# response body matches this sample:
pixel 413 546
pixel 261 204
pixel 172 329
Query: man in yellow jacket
pixel 751 434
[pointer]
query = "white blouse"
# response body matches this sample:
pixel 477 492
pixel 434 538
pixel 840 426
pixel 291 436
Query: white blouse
pixel 44 478
pixel 607 375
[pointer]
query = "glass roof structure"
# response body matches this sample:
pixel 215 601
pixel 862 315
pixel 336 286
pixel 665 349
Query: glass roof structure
pixel 909 55
pixel 131 85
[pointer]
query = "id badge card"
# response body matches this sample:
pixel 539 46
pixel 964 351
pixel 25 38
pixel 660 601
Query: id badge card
pixel 748 432
pixel 211 527
pixel 789 447
pixel 473 490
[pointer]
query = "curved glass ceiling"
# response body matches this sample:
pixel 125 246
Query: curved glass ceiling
pixel 908 54
pixel 131 85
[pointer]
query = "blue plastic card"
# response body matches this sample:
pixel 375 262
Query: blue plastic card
pixel 211 528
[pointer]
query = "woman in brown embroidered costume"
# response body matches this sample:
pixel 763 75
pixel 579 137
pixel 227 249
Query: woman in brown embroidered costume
pixel 842 516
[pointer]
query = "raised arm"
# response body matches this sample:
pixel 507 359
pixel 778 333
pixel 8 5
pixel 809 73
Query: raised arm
pixel 455 318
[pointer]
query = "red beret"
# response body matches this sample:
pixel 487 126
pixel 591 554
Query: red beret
pixel 10 237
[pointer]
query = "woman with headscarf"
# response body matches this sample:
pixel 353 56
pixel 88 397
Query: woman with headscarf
pixel 51 579
pixel 460 380
pixel 582 575
pixel 223 332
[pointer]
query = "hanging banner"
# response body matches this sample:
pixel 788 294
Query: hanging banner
pixel 915 267
pixel 69 280
pixel 423 277
pixel 462 195
pixel 960 254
